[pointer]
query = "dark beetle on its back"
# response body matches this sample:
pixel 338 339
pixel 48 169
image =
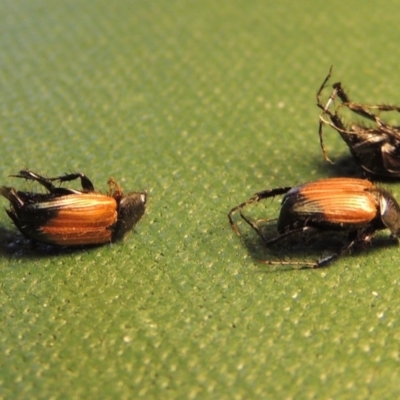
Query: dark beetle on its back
pixel 377 148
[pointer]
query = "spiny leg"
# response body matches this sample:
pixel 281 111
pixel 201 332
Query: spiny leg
pixel 325 111
pixel 322 87
pixel 335 123
pixel 254 225
pixel 26 174
pixel 352 238
pixel 276 239
pixel 114 189
pixel 361 109
pixel 86 183
pixel 356 236
pixel 380 107
pixel 254 199
pixel 47 182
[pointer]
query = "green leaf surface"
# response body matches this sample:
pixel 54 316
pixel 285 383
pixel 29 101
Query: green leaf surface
pixel 201 104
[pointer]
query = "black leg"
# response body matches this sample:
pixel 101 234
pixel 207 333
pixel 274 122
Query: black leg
pixel 47 182
pixel 26 174
pixel 322 87
pixel 335 122
pixel 254 199
pixel 86 184
pixel 352 238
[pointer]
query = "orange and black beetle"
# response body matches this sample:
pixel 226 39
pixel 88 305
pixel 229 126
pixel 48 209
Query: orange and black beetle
pixel 69 217
pixel 346 204
pixel 375 148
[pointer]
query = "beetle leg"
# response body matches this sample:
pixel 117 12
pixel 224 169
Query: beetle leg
pixel 336 122
pixel 356 236
pixel 254 199
pixel 26 174
pixel 86 183
pixel 254 225
pixel 340 92
pixel 362 109
pixel 352 238
pixel 12 196
pixel 303 229
pixel 322 87
pixel 289 262
pixel 47 182
pixel 115 189
pixel 278 238
pixel 357 108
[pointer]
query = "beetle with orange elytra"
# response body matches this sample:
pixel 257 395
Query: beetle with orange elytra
pixel 69 217
pixel 355 206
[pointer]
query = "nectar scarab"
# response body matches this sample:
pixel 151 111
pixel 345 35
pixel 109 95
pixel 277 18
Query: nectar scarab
pixel 69 217
pixel 375 146
pixel 356 206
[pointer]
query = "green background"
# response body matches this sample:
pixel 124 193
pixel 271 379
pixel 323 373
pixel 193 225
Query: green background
pixel 201 103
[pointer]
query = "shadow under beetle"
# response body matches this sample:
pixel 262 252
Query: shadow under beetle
pixel 334 204
pixel 377 148
pixel 69 217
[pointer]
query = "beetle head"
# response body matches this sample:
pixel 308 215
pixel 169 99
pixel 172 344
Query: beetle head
pixel 390 211
pixel 131 208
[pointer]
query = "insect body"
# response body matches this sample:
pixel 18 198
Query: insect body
pixel 335 204
pixel 377 148
pixel 68 217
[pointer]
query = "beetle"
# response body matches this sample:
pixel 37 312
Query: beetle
pixel 69 217
pixel 355 206
pixel 376 148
